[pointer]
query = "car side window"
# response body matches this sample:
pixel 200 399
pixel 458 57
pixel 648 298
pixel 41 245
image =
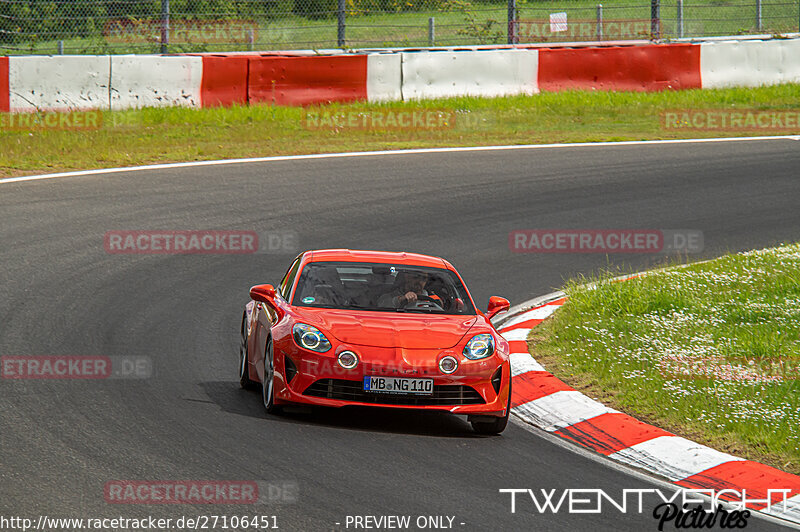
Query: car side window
pixel 288 279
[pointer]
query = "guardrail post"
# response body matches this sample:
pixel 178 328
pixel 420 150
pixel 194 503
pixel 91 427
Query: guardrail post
pixel 164 26
pixel 759 23
pixel 599 22
pixel 431 32
pixel 680 19
pixel 655 19
pixel 341 14
pixel 513 37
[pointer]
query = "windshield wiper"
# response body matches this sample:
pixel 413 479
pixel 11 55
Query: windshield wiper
pixel 364 307
pixel 389 309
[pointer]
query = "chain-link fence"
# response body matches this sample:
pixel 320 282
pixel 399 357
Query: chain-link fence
pixel 173 26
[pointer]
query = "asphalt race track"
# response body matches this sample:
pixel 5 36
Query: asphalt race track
pixel 61 441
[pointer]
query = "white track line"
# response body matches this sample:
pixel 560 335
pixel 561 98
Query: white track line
pixel 169 166
pixel 539 313
pixel 523 363
pixel 791 506
pixel 515 335
pixel 561 409
pixel 673 457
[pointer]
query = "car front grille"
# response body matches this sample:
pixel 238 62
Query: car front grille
pixel 443 394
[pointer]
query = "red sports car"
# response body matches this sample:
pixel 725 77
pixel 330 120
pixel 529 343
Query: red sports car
pixel 394 330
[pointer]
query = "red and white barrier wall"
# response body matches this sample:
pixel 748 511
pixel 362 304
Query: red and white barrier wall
pixel 750 63
pixel 615 68
pixel 83 82
pixel 469 73
pixel 100 82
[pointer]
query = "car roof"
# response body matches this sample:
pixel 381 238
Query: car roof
pixel 355 255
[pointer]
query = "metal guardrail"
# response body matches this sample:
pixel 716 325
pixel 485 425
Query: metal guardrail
pixel 185 26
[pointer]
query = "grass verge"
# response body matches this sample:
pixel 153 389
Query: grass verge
pixel 159 135
pixel 709 351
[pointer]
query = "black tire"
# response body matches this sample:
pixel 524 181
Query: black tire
pixel 496 425
pixel 244 377
pixel 267 387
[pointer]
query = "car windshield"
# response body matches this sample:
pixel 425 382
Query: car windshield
pixel 381 287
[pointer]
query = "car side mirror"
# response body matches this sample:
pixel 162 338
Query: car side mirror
pixel 497 305
pixel 263 292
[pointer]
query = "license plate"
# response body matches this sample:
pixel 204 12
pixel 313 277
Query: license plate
pixel 398 385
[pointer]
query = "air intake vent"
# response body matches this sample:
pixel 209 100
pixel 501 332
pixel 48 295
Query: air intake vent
pixel 497 379
pixel 291 369
pixel 344 390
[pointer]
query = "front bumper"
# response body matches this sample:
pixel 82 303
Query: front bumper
pixel 317 379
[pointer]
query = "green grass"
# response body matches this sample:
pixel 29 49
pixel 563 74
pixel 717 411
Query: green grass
pixel 709 351
pixel 457 23
pixel 181 134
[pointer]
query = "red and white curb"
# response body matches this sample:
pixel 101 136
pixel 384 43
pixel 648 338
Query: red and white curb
pixel 544 401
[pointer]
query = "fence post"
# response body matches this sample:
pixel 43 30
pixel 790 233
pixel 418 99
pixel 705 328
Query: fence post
pixel 60 47
pixel 759 24
pixel 680 19
pixel 341 10
pixel 431 32
pixel 599 22
pixel 655 19
pixel 513 38
pixel 251 39
pixel 164 26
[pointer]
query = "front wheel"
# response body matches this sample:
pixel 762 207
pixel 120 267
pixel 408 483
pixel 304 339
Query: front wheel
pixel 494 425
pixel 268 386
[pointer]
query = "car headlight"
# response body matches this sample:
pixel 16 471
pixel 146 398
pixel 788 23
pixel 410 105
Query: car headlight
pixel 480 346
pixel 310 338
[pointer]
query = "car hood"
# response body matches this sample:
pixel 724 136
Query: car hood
pixel 391 329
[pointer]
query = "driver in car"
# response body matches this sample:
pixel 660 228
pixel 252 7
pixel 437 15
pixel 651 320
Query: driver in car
pixel 406 291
